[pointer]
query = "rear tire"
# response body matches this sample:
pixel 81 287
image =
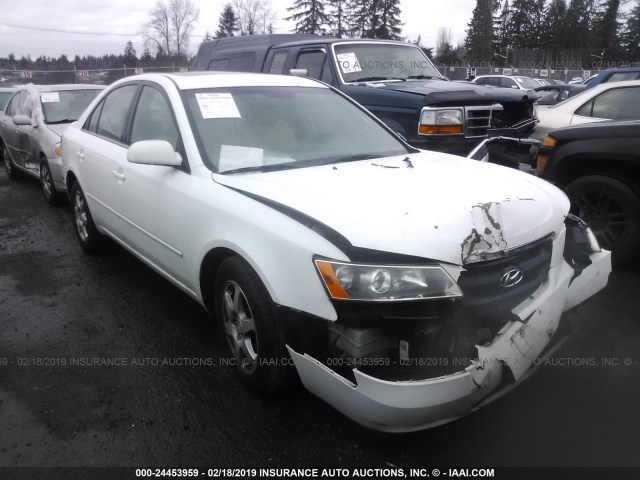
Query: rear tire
pixel 90 239
pixel 250 329
pixel 612 210
pixel 12 172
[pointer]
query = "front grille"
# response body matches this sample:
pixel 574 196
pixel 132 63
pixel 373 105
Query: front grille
pixel 478 119
pixel 480 282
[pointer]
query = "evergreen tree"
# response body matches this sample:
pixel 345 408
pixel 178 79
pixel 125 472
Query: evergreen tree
pixel 501 40
pixel 387 20
pixel 479 41
pixel 130 55
pixel 554 19
pixel 228 22
pixel 360 18
pixel 146 57
pixel 631 34
pixel 577 34
pixel 521 28
pixel 339 17
pixel 309 16
pixel 606 30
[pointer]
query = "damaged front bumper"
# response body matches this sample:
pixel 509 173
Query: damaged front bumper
pixel 402 406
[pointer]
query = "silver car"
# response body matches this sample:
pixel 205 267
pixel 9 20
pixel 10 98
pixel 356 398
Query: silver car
pixel 31 127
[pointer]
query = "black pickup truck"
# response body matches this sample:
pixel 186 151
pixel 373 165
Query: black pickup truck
pixel 598 167
pixel 394 80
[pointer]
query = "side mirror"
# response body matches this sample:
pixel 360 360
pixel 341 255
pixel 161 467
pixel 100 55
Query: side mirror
pixel 299 72
pixel 21 119
pixel 154 152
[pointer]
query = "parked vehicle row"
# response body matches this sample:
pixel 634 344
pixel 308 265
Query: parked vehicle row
pixel 31 128
pixel 604 102
pixel 406 288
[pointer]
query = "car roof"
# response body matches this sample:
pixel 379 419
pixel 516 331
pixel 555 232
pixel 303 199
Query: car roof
pixel 619 70
pixel 196 80
pixel 286 39
pixel 62 87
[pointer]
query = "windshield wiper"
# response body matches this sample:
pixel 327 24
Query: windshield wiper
pixel 64 120
pixel 420 77
pixel 263 168
pixel 376 79
pixel 353 158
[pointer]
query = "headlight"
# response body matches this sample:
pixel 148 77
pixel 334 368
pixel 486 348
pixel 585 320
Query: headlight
pixel 57 148
pixel 441 122
pixel 350 281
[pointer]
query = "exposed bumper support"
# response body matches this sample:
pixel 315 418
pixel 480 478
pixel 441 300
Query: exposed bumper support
pixel 414 405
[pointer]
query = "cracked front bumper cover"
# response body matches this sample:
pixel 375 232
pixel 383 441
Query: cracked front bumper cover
pixel 405 406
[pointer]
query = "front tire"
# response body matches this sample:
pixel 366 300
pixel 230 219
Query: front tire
pixel 250 329
pixel 612 210
pixel 90 239
pixel 51 195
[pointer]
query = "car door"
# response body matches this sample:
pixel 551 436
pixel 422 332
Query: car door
pixel 151 197
pixel 101 150
pixel 10 131
pixel 30 134
pixel 615 104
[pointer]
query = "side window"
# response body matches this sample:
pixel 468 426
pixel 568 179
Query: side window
pixel 26 104
pixel 617 104
pixel 481 81
pixel 507 82
pixel 237 63
pixel 92 122
pixel 153 119
pixel 585 110
pixel 278 62
pixel 114 112
pixel 493 81
pixel 13 107
pixel 327 76
pixel 313 62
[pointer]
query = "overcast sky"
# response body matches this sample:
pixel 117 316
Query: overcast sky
pixel 123 20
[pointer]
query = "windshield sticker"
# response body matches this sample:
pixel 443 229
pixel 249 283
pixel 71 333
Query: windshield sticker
pixel 233 157
pixel 217 105
pixel 50 97
pixel 348 62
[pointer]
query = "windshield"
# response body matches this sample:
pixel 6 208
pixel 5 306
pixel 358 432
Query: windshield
pixel 527 82
pixel 359 62
pixel 65 106
pixel 276 128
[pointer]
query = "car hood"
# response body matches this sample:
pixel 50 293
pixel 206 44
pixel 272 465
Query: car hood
pixel 428 204
pixel 438 91
pixel 58 128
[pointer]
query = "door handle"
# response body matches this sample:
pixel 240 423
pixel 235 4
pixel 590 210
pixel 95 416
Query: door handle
pixel 80 155
pixel 119 175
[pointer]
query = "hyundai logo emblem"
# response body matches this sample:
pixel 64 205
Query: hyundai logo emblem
pixel 511 278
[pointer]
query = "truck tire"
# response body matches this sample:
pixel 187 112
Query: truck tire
pixel 612 210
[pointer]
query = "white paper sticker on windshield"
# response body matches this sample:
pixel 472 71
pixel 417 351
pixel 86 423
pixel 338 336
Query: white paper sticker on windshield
pixel 50 97
pixel 349 62
pixel 217 105
pixel 233 157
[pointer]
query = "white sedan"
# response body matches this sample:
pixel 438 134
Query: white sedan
pixel 405 288
pixel 604 102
